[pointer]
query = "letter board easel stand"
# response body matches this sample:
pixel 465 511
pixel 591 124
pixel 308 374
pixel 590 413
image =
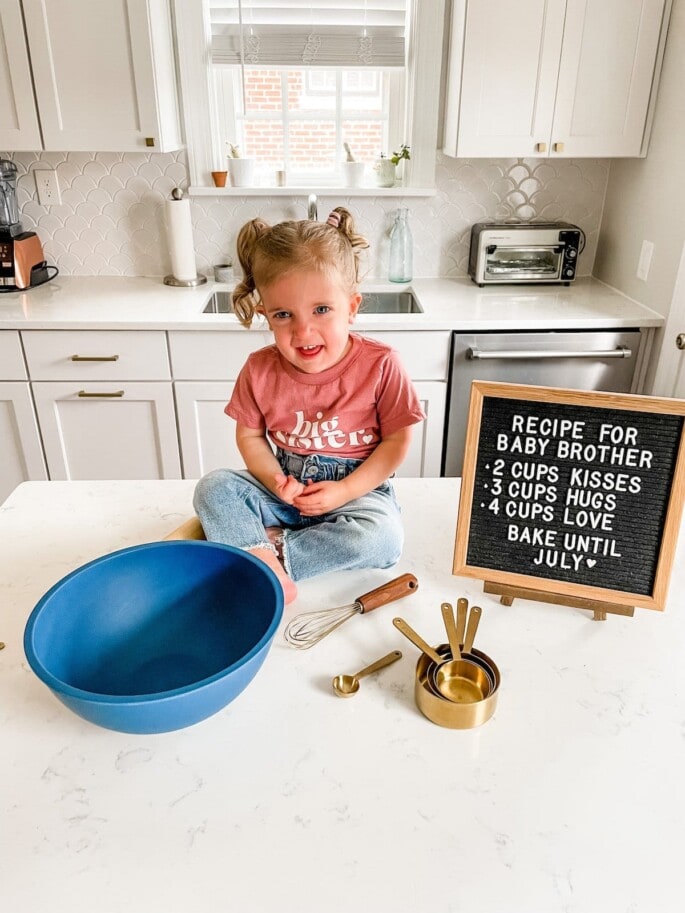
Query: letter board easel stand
pixel 571 497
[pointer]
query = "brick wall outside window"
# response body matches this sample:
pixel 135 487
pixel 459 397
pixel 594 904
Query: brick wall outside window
pixel 311 141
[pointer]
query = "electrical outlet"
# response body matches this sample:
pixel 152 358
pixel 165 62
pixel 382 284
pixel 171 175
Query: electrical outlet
pixel 47 186
pixel 645 260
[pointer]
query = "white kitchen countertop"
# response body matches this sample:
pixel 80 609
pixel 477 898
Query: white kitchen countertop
pixel 290 799
pixel 84 302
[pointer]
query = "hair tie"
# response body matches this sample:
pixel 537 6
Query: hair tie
pixel 333 219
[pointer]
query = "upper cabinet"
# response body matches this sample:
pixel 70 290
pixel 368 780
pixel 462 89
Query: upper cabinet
pixel 103 75
pixel 552 78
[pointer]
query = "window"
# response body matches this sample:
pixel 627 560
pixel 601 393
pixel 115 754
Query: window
pixel 290 84
pixel 298 120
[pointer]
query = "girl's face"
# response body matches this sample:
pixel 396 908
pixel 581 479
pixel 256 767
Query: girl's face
pixel 310 314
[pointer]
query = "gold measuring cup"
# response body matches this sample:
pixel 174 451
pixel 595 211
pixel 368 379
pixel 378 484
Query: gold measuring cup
pixel 457 680
pixel 450 714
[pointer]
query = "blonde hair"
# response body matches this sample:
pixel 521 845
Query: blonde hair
pixel 267 252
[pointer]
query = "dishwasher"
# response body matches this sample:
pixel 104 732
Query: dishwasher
pixel 577 359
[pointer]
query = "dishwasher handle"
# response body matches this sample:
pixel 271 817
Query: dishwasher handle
pixel 512 354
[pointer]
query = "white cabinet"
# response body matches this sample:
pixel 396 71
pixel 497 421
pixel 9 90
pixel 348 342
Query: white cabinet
pixel 104 403
pixel 21 454
pixel 425 355
pixel 104 76
pixel 19 128
pixel 551 78
pixel 207 434
pixel 425 453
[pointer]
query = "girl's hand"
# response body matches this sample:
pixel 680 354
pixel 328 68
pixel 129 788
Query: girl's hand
pixel 320 498
pixel 288 488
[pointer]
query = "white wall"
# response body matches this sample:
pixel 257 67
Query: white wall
pixel 645 198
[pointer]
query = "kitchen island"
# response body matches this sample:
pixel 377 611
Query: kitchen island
pixel 291 799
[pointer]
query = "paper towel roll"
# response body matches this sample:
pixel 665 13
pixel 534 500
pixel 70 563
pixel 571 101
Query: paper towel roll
pixel 180 233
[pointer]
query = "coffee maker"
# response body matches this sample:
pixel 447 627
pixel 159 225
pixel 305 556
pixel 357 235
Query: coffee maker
pixel 22 262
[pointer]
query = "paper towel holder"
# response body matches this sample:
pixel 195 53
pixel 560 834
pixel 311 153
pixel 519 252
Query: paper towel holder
pixel 177 194
pixel 185 283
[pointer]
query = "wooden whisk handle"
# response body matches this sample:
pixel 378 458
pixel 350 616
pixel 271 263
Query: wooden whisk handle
pixel 401 586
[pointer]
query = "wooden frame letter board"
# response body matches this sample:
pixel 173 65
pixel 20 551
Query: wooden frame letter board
pixel 570 496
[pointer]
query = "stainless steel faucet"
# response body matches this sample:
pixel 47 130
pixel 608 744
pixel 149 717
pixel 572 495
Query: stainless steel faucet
pixel 312 208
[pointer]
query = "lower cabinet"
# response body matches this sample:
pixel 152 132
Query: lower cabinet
pixel 425 454
pixel 22 454
pixel 207 434
pixel 105 403
pixel 96 404
pixel 121 432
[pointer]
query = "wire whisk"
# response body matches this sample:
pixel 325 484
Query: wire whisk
pixel 307 629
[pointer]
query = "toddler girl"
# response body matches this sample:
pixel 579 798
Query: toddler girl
pixel 324 416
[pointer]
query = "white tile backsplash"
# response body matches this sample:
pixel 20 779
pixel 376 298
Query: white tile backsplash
pixel 111 218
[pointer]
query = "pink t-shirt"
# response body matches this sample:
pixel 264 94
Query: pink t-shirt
pixel 344 411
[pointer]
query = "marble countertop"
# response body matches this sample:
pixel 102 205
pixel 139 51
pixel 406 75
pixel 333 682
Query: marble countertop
pixel 291 799
pixel 101 302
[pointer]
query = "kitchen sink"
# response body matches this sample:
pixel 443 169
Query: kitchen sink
pixel 390 303
pixel 372 303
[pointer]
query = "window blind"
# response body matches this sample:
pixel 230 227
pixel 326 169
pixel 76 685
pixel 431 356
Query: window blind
pixel 324 33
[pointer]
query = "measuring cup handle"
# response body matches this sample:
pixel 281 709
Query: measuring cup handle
pixel 380 663
pixel 417 640
pixel 401 586
pixel 471 628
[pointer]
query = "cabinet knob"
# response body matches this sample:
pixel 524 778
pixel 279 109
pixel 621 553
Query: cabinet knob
pixel 541 147
pixel 558 147
pixel 149 141
pixel 680 341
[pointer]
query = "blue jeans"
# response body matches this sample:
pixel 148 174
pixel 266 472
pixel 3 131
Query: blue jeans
pixel 235 509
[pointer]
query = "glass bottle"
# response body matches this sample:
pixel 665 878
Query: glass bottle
pixel 400 249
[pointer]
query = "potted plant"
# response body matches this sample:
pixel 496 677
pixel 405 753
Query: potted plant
pixel 240 169
pixel 386 167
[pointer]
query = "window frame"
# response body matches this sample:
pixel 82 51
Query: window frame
pixel 421 108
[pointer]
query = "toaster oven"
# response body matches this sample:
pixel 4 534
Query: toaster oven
pixel 508 253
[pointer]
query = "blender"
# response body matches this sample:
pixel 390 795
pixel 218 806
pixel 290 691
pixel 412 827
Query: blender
pixel 22 262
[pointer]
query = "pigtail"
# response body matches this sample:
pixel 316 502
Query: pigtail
pixel 346 226
pixel 341 219
pixel 245 296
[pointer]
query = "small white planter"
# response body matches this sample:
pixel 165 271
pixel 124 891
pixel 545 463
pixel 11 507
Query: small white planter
pixel 385 173
pixel 241 172
pixel 353 174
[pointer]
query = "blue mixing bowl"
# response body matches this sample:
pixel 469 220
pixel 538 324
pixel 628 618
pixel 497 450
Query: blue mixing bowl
pixel 155 637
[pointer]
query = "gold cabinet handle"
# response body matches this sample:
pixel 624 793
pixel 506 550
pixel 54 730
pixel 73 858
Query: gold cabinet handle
pixel 84 394
pixel 541 147
pixel 558 147
pixel 95 358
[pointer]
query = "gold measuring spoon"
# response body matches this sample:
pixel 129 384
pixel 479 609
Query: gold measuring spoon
pixel 347 685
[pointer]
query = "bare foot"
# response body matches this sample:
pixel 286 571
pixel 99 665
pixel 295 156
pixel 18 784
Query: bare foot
pixel 270 559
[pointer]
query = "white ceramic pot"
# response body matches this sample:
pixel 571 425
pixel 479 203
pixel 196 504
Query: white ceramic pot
pixel 353 174
pixel 241 172
pixel 385 173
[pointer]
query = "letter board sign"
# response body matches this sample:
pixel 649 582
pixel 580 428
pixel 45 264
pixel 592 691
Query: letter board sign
pixel 571 492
